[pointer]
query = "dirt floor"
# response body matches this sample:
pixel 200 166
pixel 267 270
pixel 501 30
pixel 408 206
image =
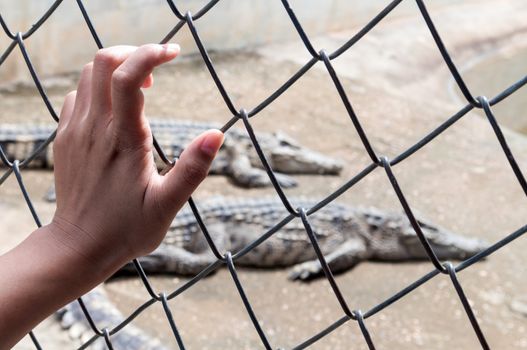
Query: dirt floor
pixel 400 89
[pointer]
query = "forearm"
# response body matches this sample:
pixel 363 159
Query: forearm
pixel 42 274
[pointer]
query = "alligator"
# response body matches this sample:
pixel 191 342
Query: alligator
pixel 237 157
pixel 346 235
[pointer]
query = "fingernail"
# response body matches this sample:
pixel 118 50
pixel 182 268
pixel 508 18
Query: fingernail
pixel 212 143
pixel 171 49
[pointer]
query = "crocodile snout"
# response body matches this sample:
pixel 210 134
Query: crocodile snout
pixel 302 161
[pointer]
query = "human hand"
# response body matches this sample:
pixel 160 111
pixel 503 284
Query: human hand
pixel 112 205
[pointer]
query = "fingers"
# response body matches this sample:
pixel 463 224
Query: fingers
pixel 189 171
pixel 105 63
pixel 132 74
pixel 67 109
pixel 83 98
pixel 149 81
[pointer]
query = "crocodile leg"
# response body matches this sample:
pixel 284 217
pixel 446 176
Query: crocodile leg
pixel 349 254
pixel 245 174
pixel 171 259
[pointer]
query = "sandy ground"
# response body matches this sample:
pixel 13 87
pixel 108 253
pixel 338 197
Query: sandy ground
pixel 400 89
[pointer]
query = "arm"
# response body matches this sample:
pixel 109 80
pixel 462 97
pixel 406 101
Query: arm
pixel 112 205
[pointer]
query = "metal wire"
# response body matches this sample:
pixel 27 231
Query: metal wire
pixel 226 258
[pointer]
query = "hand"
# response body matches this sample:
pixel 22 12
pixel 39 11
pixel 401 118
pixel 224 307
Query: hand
pixel 112 205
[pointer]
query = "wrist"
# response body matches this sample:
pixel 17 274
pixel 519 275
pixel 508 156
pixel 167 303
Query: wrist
pixel 83 251
pixel 47 270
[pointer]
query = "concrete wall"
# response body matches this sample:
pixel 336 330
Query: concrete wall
pixel 64 43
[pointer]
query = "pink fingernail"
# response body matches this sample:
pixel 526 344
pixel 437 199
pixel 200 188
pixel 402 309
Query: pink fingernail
pixel 212 143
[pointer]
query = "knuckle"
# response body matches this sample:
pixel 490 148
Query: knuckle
pixel 122 80
pixel 69 100
pixel 193 173
pixel 71 95
pixel 87 68
pixel 106 58
pixel 56 142
pixel 59 139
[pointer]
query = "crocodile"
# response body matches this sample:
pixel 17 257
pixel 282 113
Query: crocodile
pixel 236 159
pixel 346 235
pixel 105 315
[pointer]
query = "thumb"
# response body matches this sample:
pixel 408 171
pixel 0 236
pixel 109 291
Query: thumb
pixel 189 171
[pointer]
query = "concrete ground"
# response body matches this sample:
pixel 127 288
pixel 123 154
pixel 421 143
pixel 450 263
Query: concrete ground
pixel 400 89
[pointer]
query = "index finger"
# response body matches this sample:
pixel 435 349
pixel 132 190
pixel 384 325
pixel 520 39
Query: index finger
pixel 128 78
pixel 106 61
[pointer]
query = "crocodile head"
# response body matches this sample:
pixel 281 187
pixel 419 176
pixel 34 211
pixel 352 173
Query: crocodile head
pixel 287 156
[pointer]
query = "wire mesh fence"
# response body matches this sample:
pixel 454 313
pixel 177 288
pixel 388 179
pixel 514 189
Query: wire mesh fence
pixel 243 116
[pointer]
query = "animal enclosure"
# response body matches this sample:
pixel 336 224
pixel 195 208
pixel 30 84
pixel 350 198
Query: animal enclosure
pixel 244 117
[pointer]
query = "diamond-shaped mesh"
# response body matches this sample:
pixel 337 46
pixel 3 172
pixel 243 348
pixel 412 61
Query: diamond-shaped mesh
pixel 244 116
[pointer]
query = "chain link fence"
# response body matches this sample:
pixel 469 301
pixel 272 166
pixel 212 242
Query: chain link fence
pixel 240 115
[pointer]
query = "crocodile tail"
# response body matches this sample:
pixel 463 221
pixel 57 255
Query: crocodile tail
pixel 104 314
